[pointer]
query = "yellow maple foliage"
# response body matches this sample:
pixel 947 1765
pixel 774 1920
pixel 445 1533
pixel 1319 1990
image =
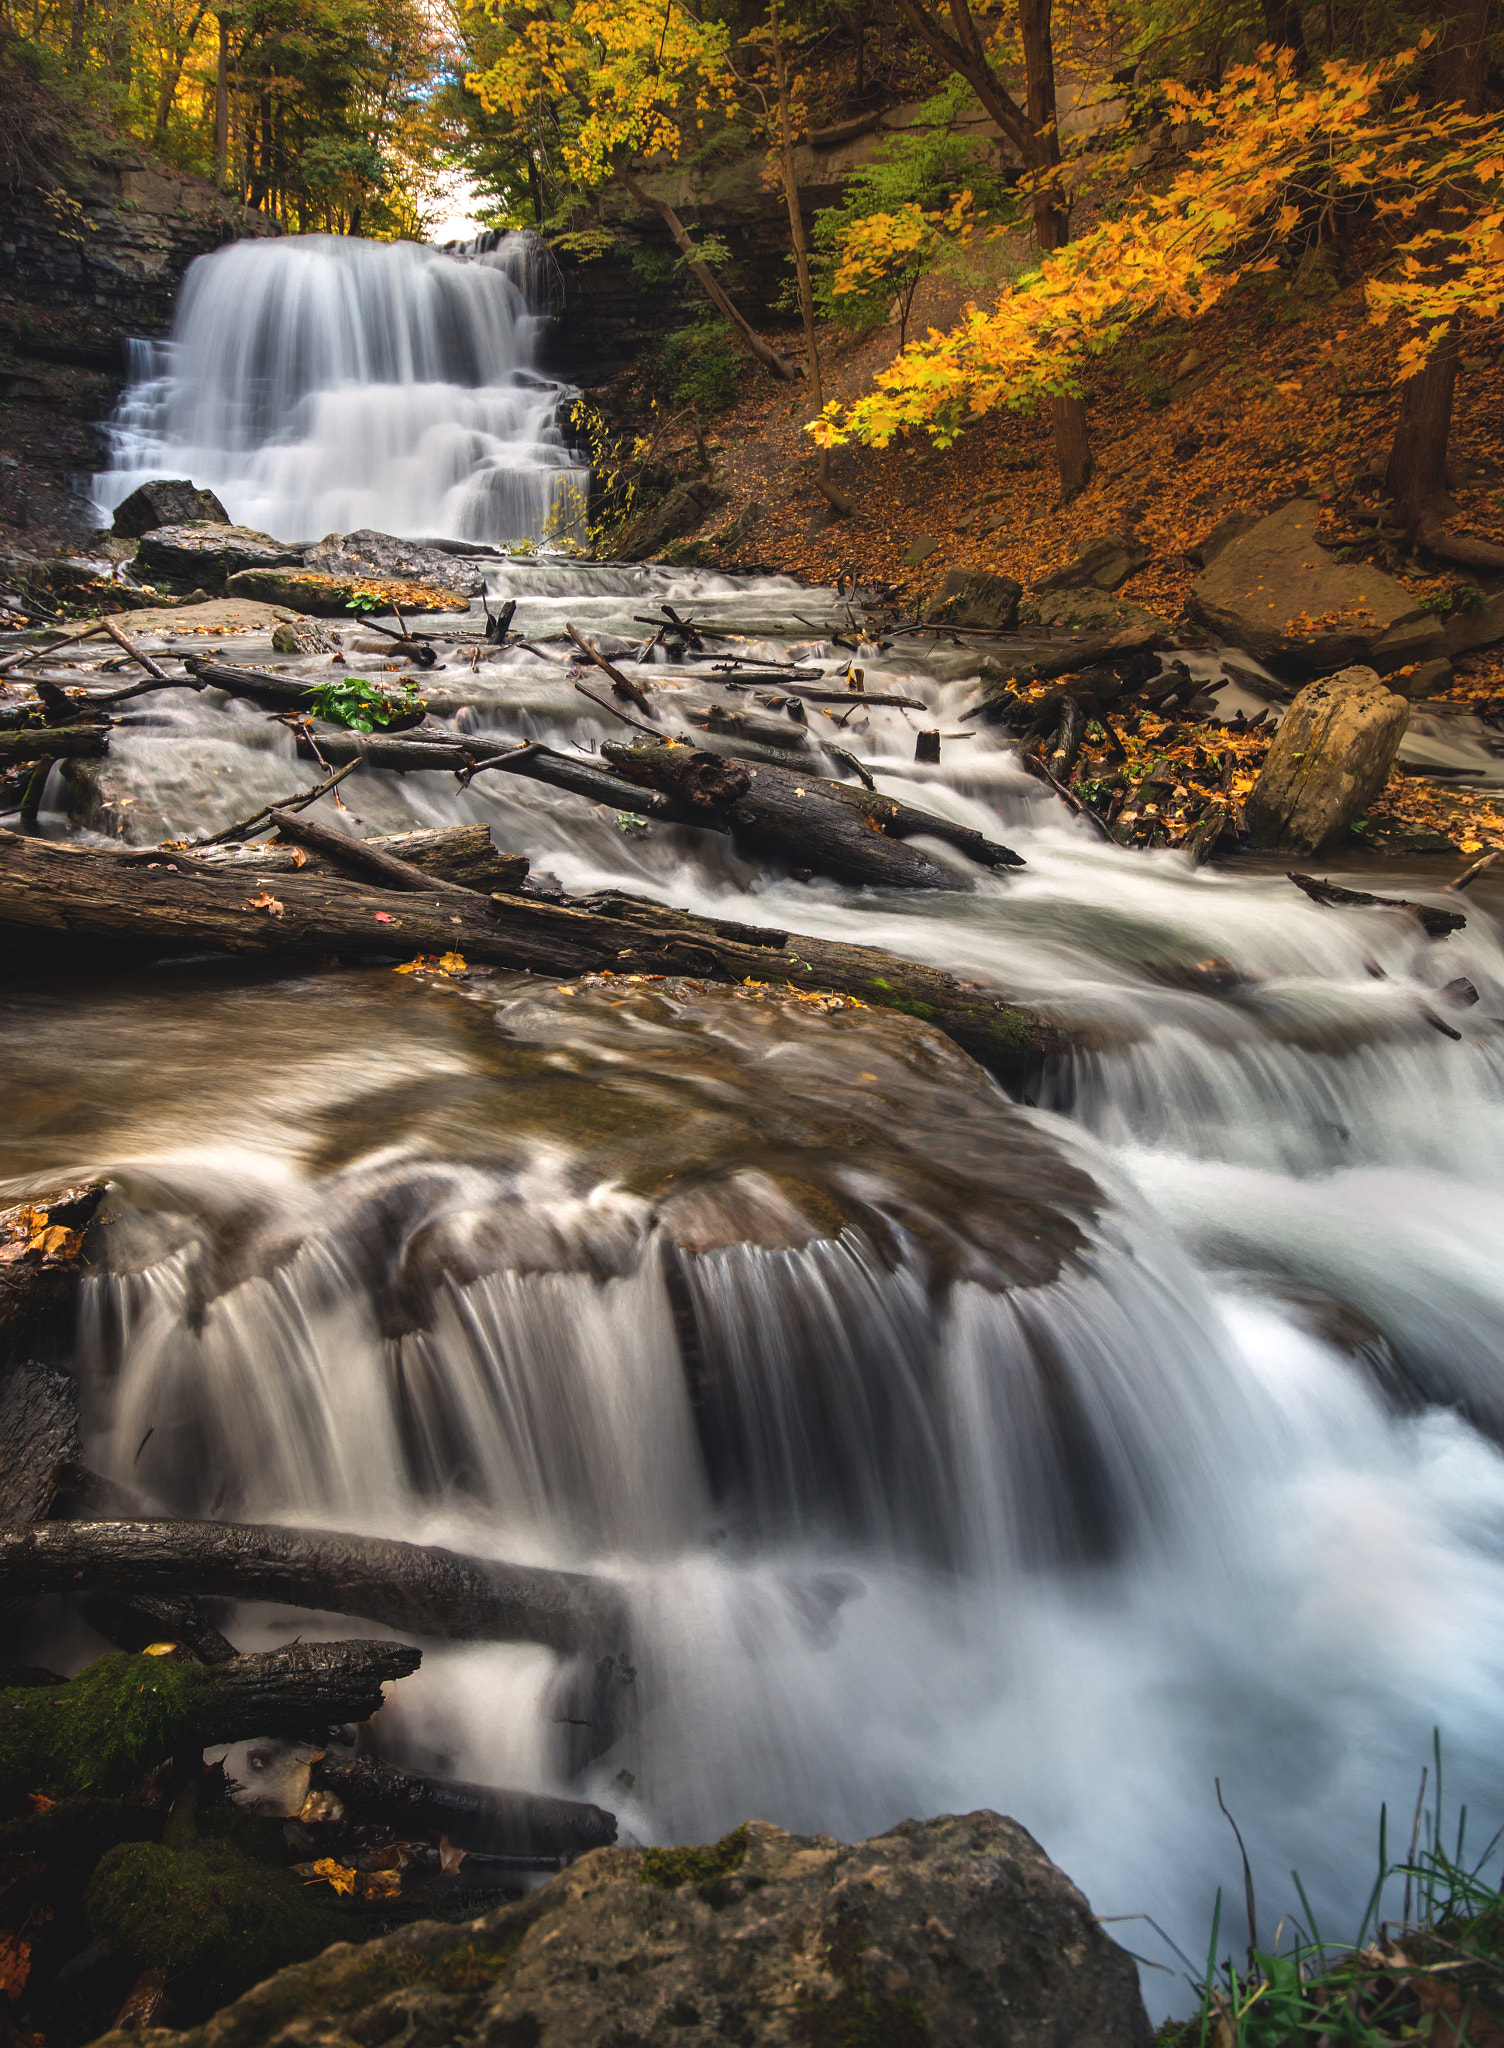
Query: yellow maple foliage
pixel 1278 150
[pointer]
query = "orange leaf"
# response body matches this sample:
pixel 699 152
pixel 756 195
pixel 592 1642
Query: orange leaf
pixel 15 1964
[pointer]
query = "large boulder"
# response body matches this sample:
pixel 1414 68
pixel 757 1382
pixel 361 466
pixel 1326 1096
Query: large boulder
pixel 648 533
pixel 958 1930
pixel 977 597
pixel 202 554
pixel 1330 758
pixel 1276 592
pixel 366 553
pixel 1103 564
pixel 1088 610
pixel 166 501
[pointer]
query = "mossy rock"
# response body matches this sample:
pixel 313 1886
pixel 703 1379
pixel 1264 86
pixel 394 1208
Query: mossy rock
pixel 331 597
pixel 216 1919
pixel 99 1730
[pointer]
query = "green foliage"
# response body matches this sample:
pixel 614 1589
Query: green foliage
pixel 702 364
pixel 667 1868
pixel 361 706
pixel 925 165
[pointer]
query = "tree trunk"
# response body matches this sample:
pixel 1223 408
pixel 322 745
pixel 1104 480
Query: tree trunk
pixel 1416 479
pixel 823 483
pixel 706 279
pixel 148 913
pixel 408 1586
pixel 1459 69
pixel 222 106
pixel 172 73
pixel 1284 28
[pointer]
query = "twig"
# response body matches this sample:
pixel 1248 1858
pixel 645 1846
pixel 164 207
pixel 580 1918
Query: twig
pixel 263 816
pixel 625 716
pixel 41 653
pixel 1471 874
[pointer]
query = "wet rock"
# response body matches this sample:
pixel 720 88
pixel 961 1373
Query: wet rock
pixel 203 553
pixel 166 501
pixel 302 636
pixel 1328 761
pixel 954 1930
pixel 368 554
pixel 977 597
pixel 920 551
pixel 331 597
pixel 1278 593
pixel 649 533
pixel 1088 611
pixel 1103 564
pixel 1425 679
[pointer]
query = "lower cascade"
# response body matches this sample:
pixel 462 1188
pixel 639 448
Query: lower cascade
pixel 320 383
pixel 1059 1457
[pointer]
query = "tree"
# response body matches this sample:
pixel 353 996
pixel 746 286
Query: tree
pixel 1032 128
pixel 617 78
pixel 1280 152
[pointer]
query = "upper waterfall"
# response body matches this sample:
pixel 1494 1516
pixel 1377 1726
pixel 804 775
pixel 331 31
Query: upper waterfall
pixel 319 383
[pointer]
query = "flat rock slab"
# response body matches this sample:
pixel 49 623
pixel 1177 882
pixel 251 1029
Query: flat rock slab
pixel 205 554
pixel 366 553
pixel 1277 592
pixel 958 1930
pixel 220 615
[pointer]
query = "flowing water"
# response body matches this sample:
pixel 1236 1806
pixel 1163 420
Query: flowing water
pixel 320 385
pixel 1060 1456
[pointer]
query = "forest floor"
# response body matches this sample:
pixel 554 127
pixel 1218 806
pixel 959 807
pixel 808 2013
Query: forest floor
pixel 1287 393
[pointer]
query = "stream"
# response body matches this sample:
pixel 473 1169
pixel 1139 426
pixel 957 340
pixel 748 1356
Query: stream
pixel 1063 1456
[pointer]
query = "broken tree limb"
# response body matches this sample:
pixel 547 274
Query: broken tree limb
pixel 257 819
pixel 450 853
pixel 30 654
pixel 136 654
pixel 622 685
pixel 1434 923
pixel 474 1817
pixel 124 1715
pixel 709 283
pixel 359 856
pixel 414 1587
pixel 149 912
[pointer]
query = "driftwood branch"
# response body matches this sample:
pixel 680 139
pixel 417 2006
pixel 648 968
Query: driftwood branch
pixel 410 1586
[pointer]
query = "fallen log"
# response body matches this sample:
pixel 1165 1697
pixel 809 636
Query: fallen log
pixel 58 742
pixel 410 1586
pixel 856 835
pixel 1434 923
pixel 372 863
pixel 40 1454
pixel 124 1715
pixel 622 686
pixel 173 908
pixel 474 1817
pixel 449 853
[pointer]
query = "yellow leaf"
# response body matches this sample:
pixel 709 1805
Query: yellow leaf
pixel 327 1871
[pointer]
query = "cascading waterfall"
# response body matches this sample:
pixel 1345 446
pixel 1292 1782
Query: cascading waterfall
pixel 1057 1458
pixel 321 384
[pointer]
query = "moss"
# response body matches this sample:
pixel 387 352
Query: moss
pixel 214 1918
pixel 100 1730
pixel 667 1868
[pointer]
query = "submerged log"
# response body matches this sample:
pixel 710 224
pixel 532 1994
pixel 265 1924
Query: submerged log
pixel 177 907
pixel 124 1715
pixel 401 1585
pixel 1434 923
pixel 856 835
pixel 474 1817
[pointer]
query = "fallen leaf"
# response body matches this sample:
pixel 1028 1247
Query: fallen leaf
pixel 299 857
pixel 15 1964
pixel 450 1858
pixel 55 1242
pixel 380 1884
pixel 265 901
pixel 383 918
pixel 328 1871
pixel 452 963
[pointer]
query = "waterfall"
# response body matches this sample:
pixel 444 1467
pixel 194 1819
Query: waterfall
pixel 319 384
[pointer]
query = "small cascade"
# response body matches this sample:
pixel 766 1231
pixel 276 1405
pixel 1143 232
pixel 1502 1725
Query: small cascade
pixel 321 384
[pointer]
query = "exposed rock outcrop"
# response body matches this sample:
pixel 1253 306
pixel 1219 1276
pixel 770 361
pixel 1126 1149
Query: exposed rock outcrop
pixel 1328 761
pixel 958 1930
pixel 366 553
pixel 166 501
pixel 204 555
pixel 1103 564
pixel 977 597
pixel 1277 592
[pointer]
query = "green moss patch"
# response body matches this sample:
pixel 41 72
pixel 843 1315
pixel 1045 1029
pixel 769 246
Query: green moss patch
pixel 668 1868
pixel 99 1730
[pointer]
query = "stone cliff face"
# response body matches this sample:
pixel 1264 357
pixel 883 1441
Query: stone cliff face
pixel 83 269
